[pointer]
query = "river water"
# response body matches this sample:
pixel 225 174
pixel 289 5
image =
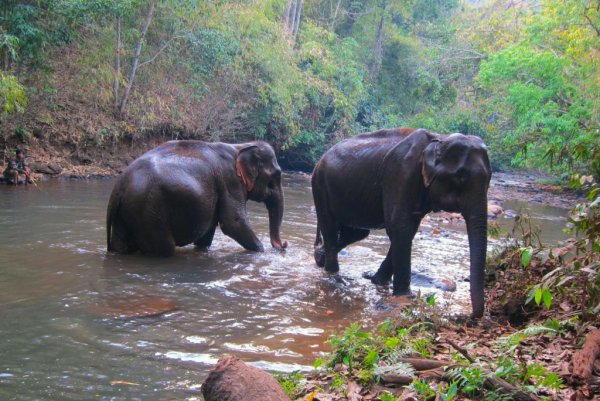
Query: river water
pixel 63 338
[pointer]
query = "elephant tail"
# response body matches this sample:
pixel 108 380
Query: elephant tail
pixel 318 239
pixel 111 214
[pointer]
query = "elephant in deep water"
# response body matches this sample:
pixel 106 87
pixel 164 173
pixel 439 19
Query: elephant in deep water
pixel 391 179
pixel 178 192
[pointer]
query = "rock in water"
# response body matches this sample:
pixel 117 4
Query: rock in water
pixel 233 380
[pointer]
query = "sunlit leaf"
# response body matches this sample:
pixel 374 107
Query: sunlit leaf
pixel 547 297
pixel 526 255
pixel 538 296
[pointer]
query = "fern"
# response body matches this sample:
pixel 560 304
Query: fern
pixel 468 379
pixel 495 396
pixel 396 368
pixel 397 354
pixel 535 330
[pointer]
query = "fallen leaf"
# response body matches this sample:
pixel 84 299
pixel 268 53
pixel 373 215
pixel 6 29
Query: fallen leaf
pixel 353 390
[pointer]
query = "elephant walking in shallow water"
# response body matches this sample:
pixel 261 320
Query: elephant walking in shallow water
pixel 178 192
pixel 391 179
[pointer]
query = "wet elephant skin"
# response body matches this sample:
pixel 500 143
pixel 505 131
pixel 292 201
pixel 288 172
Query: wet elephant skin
pixel 177 193
pixel 391 179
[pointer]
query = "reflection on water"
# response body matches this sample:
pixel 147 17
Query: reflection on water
pixel 272 309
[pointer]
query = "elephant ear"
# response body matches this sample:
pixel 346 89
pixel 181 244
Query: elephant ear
pixel 431 157
pixel 246 165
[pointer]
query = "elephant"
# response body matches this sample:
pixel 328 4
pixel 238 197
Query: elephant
pixel 178 192
pixel 391 179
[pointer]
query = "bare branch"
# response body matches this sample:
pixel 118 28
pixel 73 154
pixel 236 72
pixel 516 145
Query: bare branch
pixel 591 23
pixel 163 47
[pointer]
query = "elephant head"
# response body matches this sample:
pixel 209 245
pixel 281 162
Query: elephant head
pixel 256 165
pixel 456 174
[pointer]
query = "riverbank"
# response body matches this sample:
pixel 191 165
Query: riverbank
pixel 540 340
pixel 552 352
pixel 49 162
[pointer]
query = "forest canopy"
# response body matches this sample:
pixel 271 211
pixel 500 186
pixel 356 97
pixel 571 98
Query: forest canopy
pixel 303 74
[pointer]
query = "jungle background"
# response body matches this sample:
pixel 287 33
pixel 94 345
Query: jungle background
pixel 88 85
pixel 99 81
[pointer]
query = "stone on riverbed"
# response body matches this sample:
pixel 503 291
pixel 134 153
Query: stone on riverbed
pixel 494 211
pixel 233 380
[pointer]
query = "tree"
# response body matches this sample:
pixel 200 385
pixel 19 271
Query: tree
pixel 292 17
pixel 542 87
pixel 136 58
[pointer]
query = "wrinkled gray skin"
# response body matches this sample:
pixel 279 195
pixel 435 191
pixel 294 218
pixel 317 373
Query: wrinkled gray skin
pixel 178 192
pixel 391 179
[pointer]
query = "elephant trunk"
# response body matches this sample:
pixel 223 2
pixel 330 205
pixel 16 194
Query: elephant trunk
pixel 275 207
pixel 477 232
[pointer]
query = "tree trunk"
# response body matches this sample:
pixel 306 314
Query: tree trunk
pixel 136 59
pixel 286 18
pixel 292 20
pixel 117 66
pixel 298 16
pixel 332 22
pixel 378 47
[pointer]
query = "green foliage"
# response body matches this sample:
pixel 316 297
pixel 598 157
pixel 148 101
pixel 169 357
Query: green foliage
pixel 387 397
pixel 469 379
pixel 291 383
pixel 539 90
pixel 422 388
pixel 448 393
pixel 549 327
pixel 12 94
pixel 526 255
pixel 213 48
pixel 354 347
pixel 523 78
pixel 368 355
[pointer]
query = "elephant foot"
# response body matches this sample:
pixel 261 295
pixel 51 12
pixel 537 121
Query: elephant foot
pixel 332 269
pixel 405 293
pixel 320 257
pixel 376 278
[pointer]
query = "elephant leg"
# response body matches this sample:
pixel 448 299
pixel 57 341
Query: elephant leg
pixel 330 231
pixel 350 235
pixel 384 273
pixel 160 249
pixel 346 236
pixel 234 224
pixel 320 256
pixel 400 252
pixel 121 240
pixel 204 242
pixel 157 242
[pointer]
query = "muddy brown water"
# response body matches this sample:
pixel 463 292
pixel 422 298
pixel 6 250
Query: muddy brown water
pixel 67 333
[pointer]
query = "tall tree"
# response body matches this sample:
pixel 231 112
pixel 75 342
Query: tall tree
pixel 136 59
pixel 292 16
pixel 375 66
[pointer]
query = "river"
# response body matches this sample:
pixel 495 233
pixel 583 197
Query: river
pixel 63 337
